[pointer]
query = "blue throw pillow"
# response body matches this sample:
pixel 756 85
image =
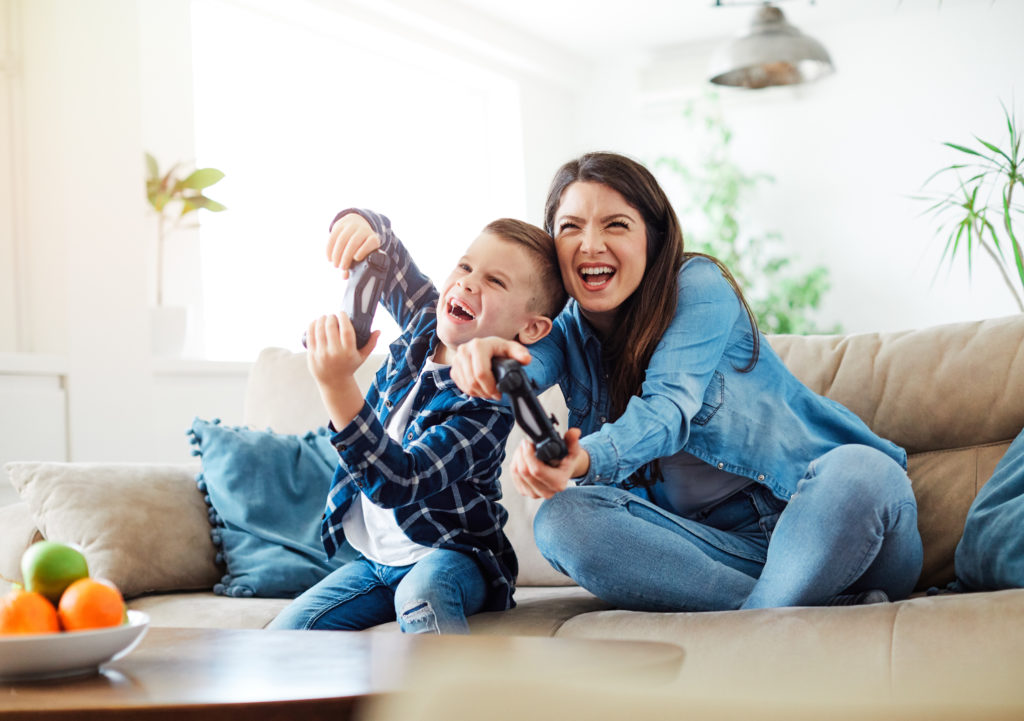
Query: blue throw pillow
pixel 266 494
pixel 990 555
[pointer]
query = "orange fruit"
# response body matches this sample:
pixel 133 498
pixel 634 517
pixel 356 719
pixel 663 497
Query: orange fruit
pixel 27 612
pixel 91 603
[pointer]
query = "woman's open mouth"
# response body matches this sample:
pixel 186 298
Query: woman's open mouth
pixel 595 277
pixel 459 311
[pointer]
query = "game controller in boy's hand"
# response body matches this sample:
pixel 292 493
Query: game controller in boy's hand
pixel 512 379
pixel 365 286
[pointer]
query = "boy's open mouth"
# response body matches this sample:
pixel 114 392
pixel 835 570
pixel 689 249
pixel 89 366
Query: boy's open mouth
pixel 458 311
pixel 595 276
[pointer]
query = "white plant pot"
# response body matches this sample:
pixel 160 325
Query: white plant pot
pixel 168 326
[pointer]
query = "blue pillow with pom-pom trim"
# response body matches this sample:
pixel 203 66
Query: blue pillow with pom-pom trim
pixel 266 494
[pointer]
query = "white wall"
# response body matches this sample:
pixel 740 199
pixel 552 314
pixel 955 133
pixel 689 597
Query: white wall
pixel 848 152
pixel 76 348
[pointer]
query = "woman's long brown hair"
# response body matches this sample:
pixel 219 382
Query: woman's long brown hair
pixel 646 314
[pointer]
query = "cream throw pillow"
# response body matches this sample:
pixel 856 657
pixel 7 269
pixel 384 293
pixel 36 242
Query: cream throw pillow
pixel 143 526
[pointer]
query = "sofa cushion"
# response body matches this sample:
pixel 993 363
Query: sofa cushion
pixel 266 493
pixel 948 386
pixel 208 610
pixel 143 526
pixel 539 611
pixel 17 532
pixel 945 484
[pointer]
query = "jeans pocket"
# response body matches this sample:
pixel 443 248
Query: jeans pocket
pixel 768 506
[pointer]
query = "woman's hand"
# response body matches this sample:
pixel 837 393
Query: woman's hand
pixel 350 241
pixel 535 479
pixel 471 368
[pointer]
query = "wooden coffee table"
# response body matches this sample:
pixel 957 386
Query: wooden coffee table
pixel 194 673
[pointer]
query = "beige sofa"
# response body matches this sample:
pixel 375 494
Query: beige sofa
pixel 952 395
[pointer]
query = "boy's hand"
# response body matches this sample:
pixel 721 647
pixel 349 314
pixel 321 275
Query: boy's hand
pixel 350 241
pixel 534 478
pixel 333 359
pixel 471 368
pixel 331 346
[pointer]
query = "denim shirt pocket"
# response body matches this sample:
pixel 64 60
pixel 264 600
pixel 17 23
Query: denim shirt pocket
pixel 578 400
pixel 714 397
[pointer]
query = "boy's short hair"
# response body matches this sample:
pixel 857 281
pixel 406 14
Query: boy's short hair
pixel 549 293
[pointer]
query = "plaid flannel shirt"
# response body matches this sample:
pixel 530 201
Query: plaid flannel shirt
pixel 442 479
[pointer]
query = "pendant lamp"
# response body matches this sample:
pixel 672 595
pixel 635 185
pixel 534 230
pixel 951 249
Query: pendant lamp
pixel 771 52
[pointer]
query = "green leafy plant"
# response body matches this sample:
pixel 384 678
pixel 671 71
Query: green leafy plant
pixel 782 296
pixel 979 213
pixel 174 196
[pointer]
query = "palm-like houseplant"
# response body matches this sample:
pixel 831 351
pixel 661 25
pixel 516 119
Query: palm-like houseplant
pixel 174 196
pixel 979 213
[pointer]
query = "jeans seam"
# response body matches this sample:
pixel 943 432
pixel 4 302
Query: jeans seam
pixel 338 602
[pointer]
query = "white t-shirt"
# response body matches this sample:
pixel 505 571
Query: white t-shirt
pixel 374 531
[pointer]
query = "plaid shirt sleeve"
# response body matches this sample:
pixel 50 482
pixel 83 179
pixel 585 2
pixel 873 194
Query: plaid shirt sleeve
pixel 468 443
pixel 406 288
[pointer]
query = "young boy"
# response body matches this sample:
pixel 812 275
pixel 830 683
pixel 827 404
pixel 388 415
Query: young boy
pixel 416 490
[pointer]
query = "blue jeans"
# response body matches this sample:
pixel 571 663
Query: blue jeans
pixel 850 526
pixel 433 595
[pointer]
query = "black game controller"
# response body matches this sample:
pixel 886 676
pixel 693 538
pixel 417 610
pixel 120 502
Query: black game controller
pixel 365 286
pixel 512 379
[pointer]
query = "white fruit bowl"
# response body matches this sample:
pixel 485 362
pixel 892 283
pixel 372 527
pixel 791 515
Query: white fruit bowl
pixel 68 653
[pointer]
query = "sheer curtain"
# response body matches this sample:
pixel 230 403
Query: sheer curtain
pixel 308 111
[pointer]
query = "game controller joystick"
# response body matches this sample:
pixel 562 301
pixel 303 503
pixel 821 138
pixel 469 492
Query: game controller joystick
pixel 363 292
pixel 512 380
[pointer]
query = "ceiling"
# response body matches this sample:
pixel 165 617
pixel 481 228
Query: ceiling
pixel 592 28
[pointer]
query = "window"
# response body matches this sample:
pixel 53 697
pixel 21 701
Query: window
pixel 307 112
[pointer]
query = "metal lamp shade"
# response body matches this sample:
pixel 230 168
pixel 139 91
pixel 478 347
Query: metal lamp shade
pixel 772 52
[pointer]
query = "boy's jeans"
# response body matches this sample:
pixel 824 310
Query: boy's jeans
pixel 433 595
pixel 851 526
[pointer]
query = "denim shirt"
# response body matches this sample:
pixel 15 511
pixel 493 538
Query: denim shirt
pixel 763 424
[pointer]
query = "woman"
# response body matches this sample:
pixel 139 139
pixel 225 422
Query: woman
pixel 707 477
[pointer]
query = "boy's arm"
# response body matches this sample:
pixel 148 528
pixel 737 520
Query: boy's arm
pixel 406 288
pixel 469 443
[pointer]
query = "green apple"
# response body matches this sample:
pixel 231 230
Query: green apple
pixel 49 567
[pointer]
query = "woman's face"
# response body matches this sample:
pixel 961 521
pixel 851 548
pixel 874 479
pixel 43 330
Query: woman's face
pixel 602 249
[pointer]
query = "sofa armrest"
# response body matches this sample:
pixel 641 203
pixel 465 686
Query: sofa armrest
pixel 18 533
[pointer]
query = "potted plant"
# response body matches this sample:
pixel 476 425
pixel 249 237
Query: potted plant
pixel 783 296
pixel 979 213
pixel 174 196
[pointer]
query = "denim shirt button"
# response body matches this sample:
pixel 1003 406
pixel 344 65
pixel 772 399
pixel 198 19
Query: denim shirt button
pixel 603 419
pixel 760 477
pixel 721 466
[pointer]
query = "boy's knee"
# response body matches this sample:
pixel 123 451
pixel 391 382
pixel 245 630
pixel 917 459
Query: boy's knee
pixel 417 616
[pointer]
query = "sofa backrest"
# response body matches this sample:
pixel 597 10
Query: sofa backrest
pixel 949 394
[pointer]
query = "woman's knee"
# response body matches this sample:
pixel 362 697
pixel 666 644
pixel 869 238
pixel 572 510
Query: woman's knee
pixel 564 518
pixel 863 472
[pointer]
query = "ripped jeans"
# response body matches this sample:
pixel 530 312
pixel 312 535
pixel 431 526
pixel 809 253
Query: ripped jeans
pixel 433 595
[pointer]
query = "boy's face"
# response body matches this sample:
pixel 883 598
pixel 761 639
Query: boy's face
pixel 489 293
